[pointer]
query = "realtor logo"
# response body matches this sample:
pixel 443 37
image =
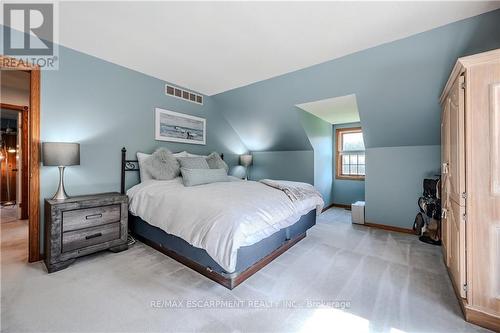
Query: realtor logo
pixel 28 33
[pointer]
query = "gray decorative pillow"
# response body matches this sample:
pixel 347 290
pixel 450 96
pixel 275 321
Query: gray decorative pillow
pixel 192 177
pixel 193 162
pixel 216 162
pixel 163 165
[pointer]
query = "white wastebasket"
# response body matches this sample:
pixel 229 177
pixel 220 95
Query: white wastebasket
pixel 358 212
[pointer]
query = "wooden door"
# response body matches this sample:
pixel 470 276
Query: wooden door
pixel 445 157
pixel 483 185
pixel 9 168
pixel 453 201
pixel 22 165
pixel 24 146
pixel 456 246
pixel 457 142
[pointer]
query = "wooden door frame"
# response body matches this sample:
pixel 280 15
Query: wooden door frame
pixel 23 110
pixel 7 63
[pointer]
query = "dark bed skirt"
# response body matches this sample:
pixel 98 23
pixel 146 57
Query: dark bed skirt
pixel 250 258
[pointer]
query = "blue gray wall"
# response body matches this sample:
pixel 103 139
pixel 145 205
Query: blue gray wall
pixel 397 86
pixel 105 107
pixel 313 166
pixel 319 134
pixel 287 165
pixel 394 182
pixel 345 191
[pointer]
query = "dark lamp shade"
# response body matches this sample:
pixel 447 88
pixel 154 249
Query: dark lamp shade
pixel 60 153
pixel 246 160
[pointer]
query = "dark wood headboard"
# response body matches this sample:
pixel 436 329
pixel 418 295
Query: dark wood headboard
pixel 127 165
pixel 131 165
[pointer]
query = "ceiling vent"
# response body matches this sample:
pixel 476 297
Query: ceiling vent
pixel 183 94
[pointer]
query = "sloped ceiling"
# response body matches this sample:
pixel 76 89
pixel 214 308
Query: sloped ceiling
pixel 264 119
pixel 397 86
pixel 336 110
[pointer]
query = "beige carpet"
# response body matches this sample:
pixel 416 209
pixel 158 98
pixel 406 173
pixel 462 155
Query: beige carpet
pixel 8 213
pixel 341 278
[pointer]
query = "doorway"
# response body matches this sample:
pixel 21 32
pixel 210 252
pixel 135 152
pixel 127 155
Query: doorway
pixel 14 160
pixel 20 105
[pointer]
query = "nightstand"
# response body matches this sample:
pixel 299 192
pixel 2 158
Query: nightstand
pixel 82 225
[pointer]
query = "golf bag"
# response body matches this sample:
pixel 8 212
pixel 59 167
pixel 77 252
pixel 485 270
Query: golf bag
pixel 428 221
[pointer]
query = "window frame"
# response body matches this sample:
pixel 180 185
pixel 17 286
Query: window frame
pixel 338 154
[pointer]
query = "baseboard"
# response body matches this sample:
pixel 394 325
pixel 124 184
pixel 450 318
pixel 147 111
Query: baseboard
pixel 347 207
pixel 389 228
pixel 372 225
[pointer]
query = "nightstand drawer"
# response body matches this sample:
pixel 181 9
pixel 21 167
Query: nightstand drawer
pixel 89 217
pixel 73 240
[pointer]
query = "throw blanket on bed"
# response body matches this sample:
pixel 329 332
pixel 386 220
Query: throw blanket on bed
pixel 295 190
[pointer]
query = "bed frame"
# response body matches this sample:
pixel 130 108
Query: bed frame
pixel 250 258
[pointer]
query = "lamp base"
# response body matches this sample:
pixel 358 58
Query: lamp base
pixel 60 193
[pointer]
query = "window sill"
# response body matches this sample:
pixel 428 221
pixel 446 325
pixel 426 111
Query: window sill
pixel 342 177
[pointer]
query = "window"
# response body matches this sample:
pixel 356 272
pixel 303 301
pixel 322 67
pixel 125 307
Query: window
pixel 350 155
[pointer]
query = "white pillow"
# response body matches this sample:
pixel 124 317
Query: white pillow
pixel 143 173
pixel 193 155
pixel 182 154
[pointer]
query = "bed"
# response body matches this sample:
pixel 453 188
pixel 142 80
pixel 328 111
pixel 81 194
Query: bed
pixel 226 231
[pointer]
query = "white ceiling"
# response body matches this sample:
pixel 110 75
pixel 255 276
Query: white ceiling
pixel 211 47
pixel 337 110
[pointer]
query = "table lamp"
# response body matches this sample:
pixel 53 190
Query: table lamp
pixel 246 161
pixel 60 154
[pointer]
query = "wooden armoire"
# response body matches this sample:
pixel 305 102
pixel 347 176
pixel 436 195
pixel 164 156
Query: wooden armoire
pixel 470 186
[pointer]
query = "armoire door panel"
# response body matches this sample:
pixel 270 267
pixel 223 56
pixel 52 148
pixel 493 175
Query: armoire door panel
pixel 483 242
pixel 444 239
pixel 456 241
pixel 495 137
pixel 445 157
pixel 456 166
pixel 496 261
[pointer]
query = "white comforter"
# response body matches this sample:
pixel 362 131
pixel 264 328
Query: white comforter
pixel 219 217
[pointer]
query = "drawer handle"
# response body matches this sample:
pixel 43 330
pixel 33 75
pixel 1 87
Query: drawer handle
pixel 93 216
pixel 99 234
